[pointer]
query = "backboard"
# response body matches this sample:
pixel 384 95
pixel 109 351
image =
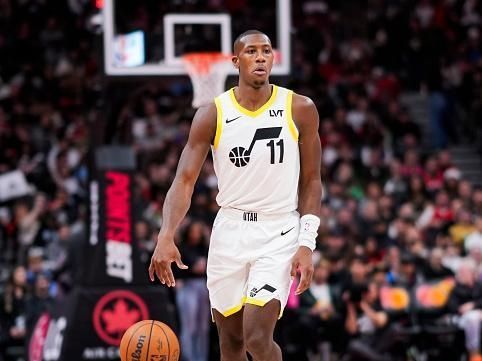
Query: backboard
pixel 148 38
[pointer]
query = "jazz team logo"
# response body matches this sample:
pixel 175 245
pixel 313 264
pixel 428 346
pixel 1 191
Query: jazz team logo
pixel 240 156
pixel 115 312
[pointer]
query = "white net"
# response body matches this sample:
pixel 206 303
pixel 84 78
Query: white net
pixel 208 72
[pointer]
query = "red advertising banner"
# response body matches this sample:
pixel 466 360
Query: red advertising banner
pixel 89 324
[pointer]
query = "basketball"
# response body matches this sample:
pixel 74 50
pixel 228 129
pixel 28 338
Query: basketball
pixel 149 340
pixel 239 156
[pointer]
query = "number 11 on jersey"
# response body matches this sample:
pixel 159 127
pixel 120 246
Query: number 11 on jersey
pixel 280 144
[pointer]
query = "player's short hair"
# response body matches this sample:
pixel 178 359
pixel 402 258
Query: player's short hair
pixel 246 33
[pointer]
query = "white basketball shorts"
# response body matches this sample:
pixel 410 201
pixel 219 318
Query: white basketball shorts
pixel 250 257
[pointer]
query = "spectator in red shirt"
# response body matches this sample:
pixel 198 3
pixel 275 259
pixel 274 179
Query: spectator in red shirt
pixel 433 176
pixel 442 213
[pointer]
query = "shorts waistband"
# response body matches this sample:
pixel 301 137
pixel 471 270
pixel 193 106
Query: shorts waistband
pixel 251 216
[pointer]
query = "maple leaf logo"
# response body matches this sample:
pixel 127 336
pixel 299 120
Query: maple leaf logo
pixel 120 318
pixel 115 312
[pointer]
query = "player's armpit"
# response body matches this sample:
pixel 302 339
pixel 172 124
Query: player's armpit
pixel 305 116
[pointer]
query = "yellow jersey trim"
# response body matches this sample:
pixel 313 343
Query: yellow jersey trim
pixel 257 112
pixel 219 122
pixel 246 300
pixel 291 123
pixel 234 309
pixel 253 301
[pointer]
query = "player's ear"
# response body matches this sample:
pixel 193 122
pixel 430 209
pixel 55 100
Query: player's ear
pixel 235 61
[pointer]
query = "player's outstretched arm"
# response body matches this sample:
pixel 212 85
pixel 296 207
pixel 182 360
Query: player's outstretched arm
pixel 306 119
pixel 178 198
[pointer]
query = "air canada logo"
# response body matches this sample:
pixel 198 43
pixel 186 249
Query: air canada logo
pixel 115 312
pixel 240 156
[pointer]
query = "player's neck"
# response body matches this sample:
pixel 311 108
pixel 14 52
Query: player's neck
pixel 252 98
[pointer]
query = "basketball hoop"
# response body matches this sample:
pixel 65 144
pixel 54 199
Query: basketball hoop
pixel 208 72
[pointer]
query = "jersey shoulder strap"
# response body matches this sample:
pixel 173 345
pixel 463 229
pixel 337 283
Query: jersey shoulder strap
pixel 220 102
pixel 286 96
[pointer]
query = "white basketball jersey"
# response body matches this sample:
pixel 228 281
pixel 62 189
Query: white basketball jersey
pixel 256 155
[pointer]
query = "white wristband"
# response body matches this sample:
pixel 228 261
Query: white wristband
pixel 309 224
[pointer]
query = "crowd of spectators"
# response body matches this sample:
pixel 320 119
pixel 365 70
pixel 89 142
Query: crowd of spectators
pixel 395 212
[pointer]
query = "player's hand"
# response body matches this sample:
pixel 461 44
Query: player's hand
pixel 303 263
pixel 164 254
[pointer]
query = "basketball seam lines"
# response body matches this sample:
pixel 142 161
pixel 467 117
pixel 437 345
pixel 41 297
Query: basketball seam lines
pixel 168 345
pixel 149 342
pixel 129 342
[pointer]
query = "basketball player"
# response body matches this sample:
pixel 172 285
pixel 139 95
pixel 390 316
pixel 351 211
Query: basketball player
pixel 267 154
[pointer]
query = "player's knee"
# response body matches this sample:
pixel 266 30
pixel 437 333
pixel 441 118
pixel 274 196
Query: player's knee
pixel 258 343
pixel 231 344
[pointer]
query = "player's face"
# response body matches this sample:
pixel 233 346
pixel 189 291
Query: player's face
pixel 254 59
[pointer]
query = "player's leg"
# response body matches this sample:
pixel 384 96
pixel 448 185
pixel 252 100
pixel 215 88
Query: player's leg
pixel 269 283
pixel 231 341
pixel 227 274
pixel 259 323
